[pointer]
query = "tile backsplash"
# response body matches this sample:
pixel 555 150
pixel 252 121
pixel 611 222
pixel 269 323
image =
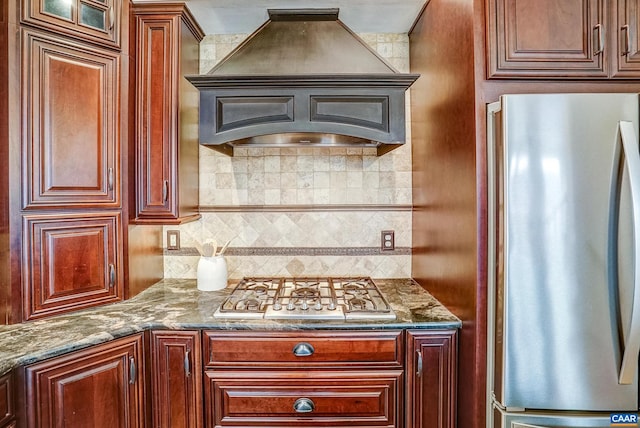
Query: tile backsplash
pixel 306 211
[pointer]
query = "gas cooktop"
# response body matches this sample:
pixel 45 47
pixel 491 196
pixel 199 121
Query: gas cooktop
pixel 306 298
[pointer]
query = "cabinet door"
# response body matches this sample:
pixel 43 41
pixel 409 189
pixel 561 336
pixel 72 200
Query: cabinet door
pixel 431 370
pixel 72 145
pixel 100 387
pixel 627 42
pixel 92 20
pixel 176 367
pixel 7 411
pixel 166 114
pixel 546 38
pixel 71 262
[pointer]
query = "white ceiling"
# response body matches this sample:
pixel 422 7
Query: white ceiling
pixel 362 16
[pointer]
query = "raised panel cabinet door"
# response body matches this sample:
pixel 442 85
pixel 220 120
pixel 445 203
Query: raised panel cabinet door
pixel 547 38
pixel 156 103
pixel 71 98
pixel 71 261
pixel 7 410
pixel 176 379
pixel 166 119
pixel 431 370
pixel 627 42
pixel 99 387
pixel 91 20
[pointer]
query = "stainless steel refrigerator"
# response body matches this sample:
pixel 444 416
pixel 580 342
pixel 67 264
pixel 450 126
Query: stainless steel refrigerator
pixel 564 259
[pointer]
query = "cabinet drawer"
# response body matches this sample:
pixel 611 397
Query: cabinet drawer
pixel 322 398
pixel 281 349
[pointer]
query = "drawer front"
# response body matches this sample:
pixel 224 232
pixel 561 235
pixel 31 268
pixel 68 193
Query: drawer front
pixel 310 398
pixel 324 349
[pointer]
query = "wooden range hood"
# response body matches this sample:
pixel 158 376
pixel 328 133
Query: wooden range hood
pixel 302 79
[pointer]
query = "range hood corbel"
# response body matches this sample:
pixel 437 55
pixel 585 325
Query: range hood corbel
pixel 302 79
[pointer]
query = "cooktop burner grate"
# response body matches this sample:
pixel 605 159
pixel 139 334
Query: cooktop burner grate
pixel 306 298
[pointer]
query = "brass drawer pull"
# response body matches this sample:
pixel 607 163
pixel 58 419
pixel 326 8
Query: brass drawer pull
pixel 303 349
pixel 304 405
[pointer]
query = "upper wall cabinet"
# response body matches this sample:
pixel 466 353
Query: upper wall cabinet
pixel 570 39
pixel 166 119
pixel 90 20
pixel 627 22
pixel 546 38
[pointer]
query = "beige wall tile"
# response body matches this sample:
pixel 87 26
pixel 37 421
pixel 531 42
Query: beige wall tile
pixel 303 176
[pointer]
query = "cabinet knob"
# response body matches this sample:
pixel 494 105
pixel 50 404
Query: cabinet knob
pixel 304 405
pixel 303 349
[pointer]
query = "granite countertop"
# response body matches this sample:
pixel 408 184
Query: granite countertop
pixel 177 304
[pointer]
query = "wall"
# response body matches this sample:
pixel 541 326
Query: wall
pixel 302 212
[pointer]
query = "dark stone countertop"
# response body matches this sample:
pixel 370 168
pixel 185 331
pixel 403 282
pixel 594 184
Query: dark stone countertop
pixel 177 304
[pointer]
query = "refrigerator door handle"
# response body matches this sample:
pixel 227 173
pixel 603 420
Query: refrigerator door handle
pixel 627 134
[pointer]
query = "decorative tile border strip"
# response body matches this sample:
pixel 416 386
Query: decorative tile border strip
pixel 301 208
pixel 297 251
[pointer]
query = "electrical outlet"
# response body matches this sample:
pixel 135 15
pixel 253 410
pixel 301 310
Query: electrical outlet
pixel 388 240
pixel 173 239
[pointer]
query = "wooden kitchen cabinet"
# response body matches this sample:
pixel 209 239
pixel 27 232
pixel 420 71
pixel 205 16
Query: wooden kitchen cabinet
pixel 262 398
pixel 431 369
pixel 72 261
pixel 166 118
pixel 97 21
pixel 99 387
pixel 627 47
pixel 546 38
pixel 176 379
pixel 568 39
pixel 277 379
pixel 72 133
pixel 7 404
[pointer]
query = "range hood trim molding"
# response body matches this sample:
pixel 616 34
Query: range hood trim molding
pixel 401 80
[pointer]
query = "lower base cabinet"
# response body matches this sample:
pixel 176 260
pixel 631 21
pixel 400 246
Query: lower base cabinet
pixel 176 379
pixel 98 387
pixel 314 378
pixel 431 367
pixel 233 378
pixel 7 404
